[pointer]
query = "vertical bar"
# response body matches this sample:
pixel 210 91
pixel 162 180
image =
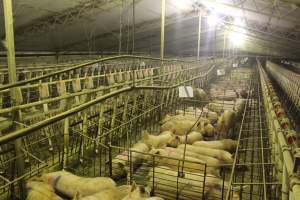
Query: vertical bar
pixel 66 143
pixel 133 24
pixel 12 77
pixel 199 34
pixel 121 27
pixel 162 33
pixel 224 43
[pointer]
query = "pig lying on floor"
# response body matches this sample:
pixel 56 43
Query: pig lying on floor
pixel 172 157
pixel 69 184
pixel 130 192
pixel 165 182
pixel 180 125
pixel 226 144
pixel 40 191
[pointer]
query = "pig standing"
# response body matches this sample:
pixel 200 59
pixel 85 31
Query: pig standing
pixel 226 144
pixel 69 184
pixel 40 191
pixel 226 122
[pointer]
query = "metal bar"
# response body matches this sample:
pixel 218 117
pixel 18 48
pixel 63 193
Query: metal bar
pixel 199 34
pixel 88 64
pixel 162 26
pixel 12 76
pixel 37 126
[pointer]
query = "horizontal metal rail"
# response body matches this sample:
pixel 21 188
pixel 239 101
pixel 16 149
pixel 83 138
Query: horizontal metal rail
pixel 87 64
pixel 28 130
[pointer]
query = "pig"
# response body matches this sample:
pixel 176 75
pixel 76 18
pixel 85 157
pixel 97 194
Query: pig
pixel 177 117
pixel 226 122
pixel 171 157
pixel 120 162
pixel 208 160
pixel 221 155
pixel 137 193
pixel 117 193
pixel 200 94
pixel 159 141
pixel 40 191
pixel 226 144
pixel 169 183
pixel 191 137
pixel 239 106
pixel 69 184
pixel 182 126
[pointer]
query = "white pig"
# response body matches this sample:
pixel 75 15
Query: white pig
pixel 117 193
pixel 200 94
pixel 40 191
pixel 120 162
pixel 137 192
pixel 226 122
pixel 190 138
pixel 181 126
pixel 221 155
pixel 210 161
pixel 69 184
pixel 172 159
pixel 226 144
pixel 158 141
pixel 168 183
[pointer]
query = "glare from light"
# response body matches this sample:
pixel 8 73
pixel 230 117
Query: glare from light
pixel 222 7
pixel 213 19
pixel 237 35
pixel 182 4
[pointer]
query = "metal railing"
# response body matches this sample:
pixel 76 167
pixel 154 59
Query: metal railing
pixel 87 130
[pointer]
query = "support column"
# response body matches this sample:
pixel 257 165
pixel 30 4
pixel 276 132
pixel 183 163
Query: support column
pixel 162 33
pixel 199 34
pixel 133 25
pixel 12 77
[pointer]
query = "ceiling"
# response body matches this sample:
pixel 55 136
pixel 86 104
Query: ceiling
pixel 272 27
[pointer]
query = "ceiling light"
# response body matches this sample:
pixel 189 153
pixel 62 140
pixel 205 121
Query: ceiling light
pixel 213 19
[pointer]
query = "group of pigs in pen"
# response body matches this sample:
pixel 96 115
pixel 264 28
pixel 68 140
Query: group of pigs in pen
pixel 60 185
pixel 203 138
pixel 202 141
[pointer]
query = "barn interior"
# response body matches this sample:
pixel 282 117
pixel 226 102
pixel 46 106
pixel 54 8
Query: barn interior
pixel 149 99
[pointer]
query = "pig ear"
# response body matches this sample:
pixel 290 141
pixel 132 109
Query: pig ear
pixel 133 186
